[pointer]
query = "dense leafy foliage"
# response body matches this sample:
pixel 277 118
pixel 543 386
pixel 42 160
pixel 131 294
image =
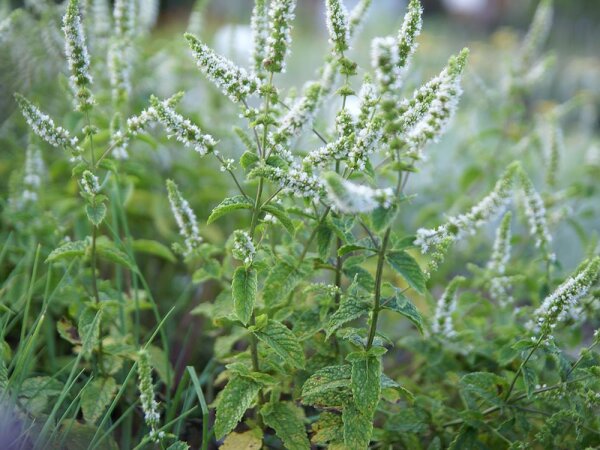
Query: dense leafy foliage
pixel 329 289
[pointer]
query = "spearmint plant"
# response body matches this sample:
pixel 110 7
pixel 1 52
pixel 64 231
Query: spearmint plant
pixel 309 299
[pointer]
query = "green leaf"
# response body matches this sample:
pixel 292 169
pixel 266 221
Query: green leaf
pixel 382 217
pixel 530 378
pixel 366 381
pixel 349 248
pixel 243 288
pixel 324 234
pixel 482 385
pixel 288 422
pixel 358 427
pixel 68 251
pixel 402 305
pixel 248 159
pixel 108 250
pixel 228 205
pixel 351 307
pixel 282 279
pixel 96 396
pixel 96 213
pixel 155 248
pixel 234 400
pixel 410 270
pixel 211 269
pixel 328 387
pixel 283 342
pixel 89 329
pixel 281 215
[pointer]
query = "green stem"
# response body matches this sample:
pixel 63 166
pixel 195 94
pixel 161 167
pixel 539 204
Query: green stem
pixel 525 361
pixel 378 281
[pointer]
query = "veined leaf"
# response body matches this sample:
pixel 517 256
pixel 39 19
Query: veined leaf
pixel 281 280
pixel 410 270
pixel 382 217
pixel 482 385
pixel 324 235
pixel 235 399
pixel 68 251
pixel 96 213
pixel 96 397
pixel 228 205
pixel 282 341
pixel 89 329
pixel 280 214
pixel 108 250
pixel 402 305
pixel 358 427
pixel 153 248
pixel 288 422
pixel 328 387
pixel 351 307
pixel 178 445
pixel 243 288
pixel 366 380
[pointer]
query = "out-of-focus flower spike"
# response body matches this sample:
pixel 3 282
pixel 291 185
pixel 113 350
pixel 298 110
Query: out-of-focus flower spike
pixel 147 396
pixel 99 22
pixel 119 54
pixel 496 266
pixel 301 114
pixel 235 82
pixel 536 216
pixel 78 57
pixel 357 17
pixel 281 15
pixel 557 305
pixel 337 25
pixel 410 30
pixel 147 13
pixel 365 143
pixel 438 240
pixel 196 22
pixel 44 126
pixel 32 178
pixel 185 218
pixel 443 325
pixel 259 24
pixel 537 34
pixel 368 99
pixel 186 132
pixel 351 198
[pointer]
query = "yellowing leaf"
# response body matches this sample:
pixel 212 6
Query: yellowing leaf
pixel 282 341
pixel 95 398
pixel 248 440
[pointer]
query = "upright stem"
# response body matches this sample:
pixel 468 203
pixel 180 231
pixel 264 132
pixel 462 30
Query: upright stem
pixel 378 280
pixel 525 361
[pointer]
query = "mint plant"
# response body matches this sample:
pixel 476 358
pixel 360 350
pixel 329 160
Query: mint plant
pixel 339 316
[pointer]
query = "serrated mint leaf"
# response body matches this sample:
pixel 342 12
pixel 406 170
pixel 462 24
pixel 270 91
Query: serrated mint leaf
pixel 68 251
pixel 282 279
pixel 410 270
pixel 366 381
pixel 234 400
pixel 243 288
pixel 280 214
pixel 328 387
pixel 228 205
pixel 288 422
pixel 358 427
pixel 351 307
pixel 96 397
pixel 96 213
pixel 108 250
pixel 282 341
pixel 402 305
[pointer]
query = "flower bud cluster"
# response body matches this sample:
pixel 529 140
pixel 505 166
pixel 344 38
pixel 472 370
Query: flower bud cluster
pixel 301 115
pixel 243 249
pixel 235 82
pixel 259 24
pixel 185 218
pixel 281 14
pixel 536 216
pixel 78 57
pixel 499 283
pixel 186 132
pixel 337 25
pixel 293 180
pixel 89 183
